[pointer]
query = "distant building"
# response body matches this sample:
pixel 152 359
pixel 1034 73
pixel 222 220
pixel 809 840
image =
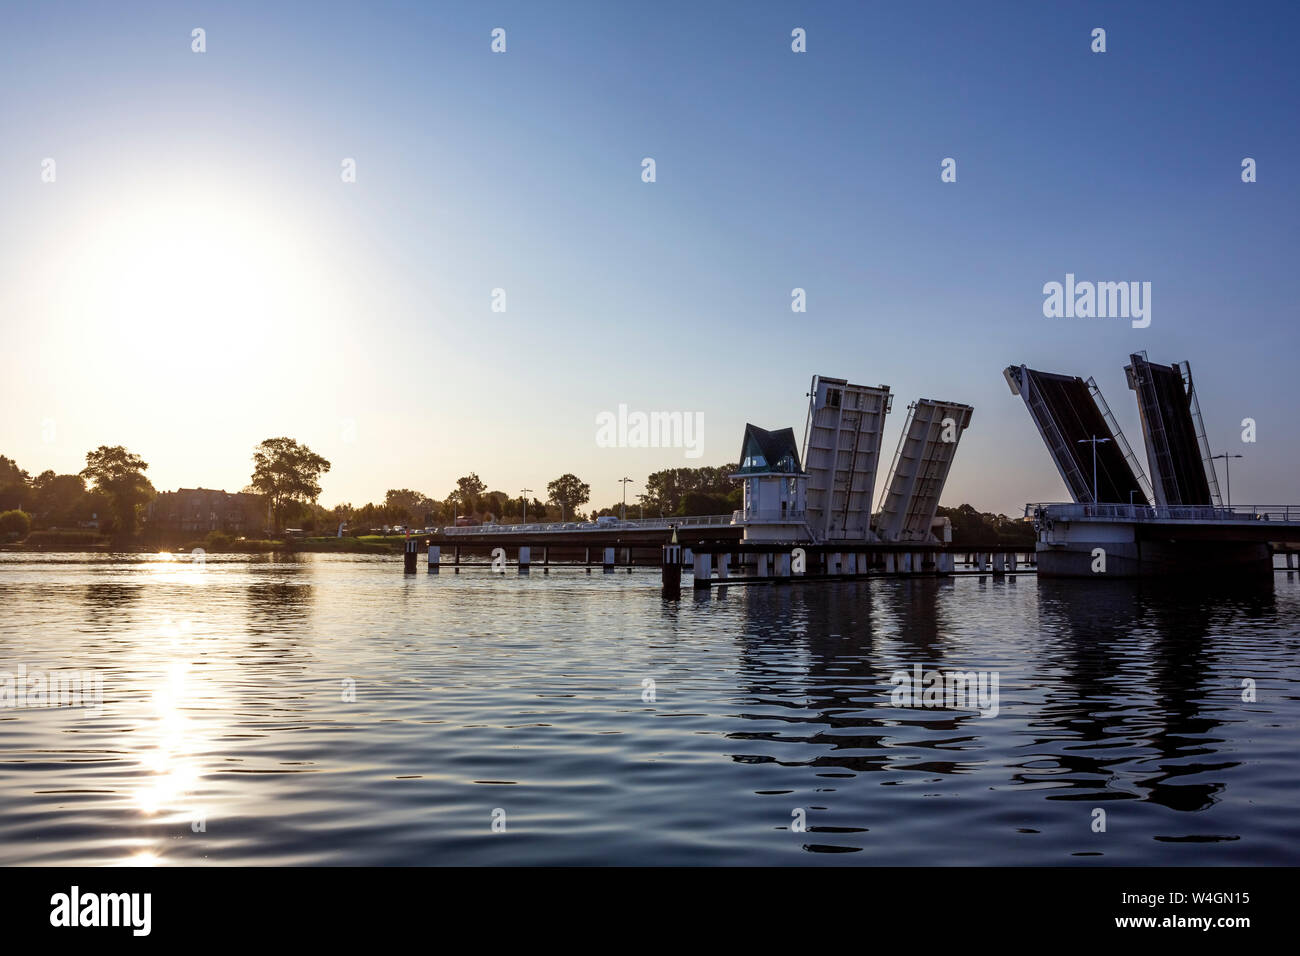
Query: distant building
pixel 205 509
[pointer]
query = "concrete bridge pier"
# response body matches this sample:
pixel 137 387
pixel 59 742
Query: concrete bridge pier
pixel 435 556
pixel 525 558
pixel 703 570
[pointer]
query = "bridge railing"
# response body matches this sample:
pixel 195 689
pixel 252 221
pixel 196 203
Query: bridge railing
pixel 631 524
pixel 755 514
pixel 1071 511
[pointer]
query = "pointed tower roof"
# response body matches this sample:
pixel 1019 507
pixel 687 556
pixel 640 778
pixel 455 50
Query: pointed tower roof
pixel 766 452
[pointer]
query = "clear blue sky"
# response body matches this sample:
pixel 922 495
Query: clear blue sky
pixel 199 278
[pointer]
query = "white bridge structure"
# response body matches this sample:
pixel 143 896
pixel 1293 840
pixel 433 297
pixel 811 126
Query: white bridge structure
pixel 828 498
pixel 1121 525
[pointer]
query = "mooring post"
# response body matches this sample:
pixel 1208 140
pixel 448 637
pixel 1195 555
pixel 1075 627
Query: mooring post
pixel 670 574
pixel 435 556
pixel 457 557
pixel 408 558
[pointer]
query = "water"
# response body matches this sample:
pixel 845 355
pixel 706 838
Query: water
pixel 225 737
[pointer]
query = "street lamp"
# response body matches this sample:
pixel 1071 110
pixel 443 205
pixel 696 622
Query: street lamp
pixel 525 492
pixel 1227 474
pixel 1094 441
pixel 623 515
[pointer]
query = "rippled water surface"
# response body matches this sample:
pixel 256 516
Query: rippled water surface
pixel 329 710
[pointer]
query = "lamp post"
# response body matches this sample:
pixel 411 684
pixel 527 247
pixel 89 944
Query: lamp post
pixel 1227 473
pixel 623 514
pixel 525 492
pixel 1094 441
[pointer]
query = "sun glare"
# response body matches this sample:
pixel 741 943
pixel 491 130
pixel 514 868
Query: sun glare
pixel 193 280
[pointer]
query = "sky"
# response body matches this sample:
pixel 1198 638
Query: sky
pixel 199 276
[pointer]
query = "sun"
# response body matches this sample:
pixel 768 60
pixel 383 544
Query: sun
pixel 192 279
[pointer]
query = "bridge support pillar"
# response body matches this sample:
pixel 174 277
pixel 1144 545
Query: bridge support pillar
pixel 763 569
pixel 783 566
pixel 724 563
pixel 435 557
pixel 525 558
pixel 609 561
pixel 703 570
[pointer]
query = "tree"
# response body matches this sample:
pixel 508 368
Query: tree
pixel 666 489
pixel 119 475
pixel 569 493
pixel 467 494
pixel 285 472
pixel 58 500
pixel 15 522
pixel 13 484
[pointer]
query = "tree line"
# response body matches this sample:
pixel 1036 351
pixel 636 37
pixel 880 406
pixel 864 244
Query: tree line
pixel 113 493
